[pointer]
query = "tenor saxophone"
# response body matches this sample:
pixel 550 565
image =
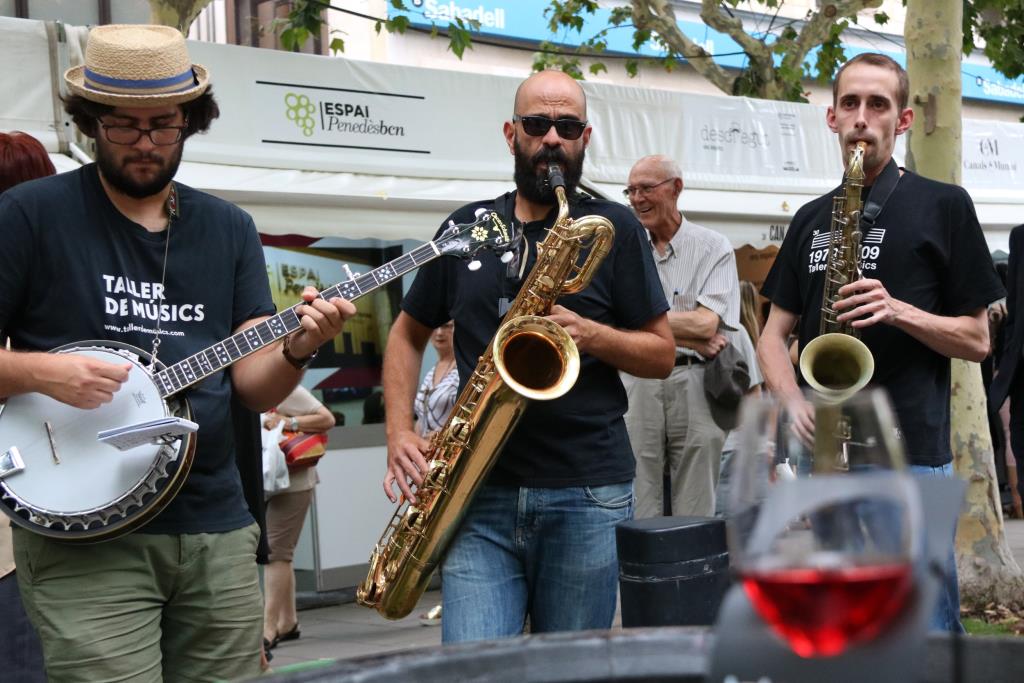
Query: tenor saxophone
pixel 836 363
pixel 530 357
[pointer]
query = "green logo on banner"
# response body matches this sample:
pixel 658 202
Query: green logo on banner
pixel 300 110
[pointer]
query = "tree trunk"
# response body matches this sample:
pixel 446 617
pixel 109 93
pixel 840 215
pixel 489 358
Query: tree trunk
pixel 177 13
pixel 987 569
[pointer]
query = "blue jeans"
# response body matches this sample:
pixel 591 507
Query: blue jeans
pixel 947 612
pixel 546 553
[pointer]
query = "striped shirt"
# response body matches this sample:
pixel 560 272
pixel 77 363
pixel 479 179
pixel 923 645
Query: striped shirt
pixel 699 268
pixel 435 401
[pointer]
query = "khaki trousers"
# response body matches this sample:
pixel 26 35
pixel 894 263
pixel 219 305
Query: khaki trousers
pixel 669 422
pixel 145 607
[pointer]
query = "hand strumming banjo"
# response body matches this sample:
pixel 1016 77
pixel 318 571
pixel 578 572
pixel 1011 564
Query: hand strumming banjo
pixel 58 479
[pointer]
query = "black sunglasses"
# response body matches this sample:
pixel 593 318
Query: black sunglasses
pixel 567 129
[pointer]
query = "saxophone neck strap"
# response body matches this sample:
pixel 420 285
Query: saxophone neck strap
pixel 879 194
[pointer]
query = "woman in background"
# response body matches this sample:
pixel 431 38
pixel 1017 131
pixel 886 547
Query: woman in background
pixel 434 401
pixel 286 511
pixel 440 387
pixel 749 317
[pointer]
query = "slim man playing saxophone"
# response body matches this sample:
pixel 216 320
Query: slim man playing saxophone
pixel 928 278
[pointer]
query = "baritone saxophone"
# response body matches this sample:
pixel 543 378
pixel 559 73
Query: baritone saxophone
pixel 836 363
pixel 530 357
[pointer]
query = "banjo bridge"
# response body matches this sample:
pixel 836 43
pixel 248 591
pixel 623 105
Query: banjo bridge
pixel 11 462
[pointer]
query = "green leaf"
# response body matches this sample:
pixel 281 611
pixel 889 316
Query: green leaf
pixel 881 18
pixel 640 36
pixel 397 24
pixel 458 40
pixel 337 45
pixel 572 67
pixel 292 39
pixel 620 15
pixel 598 67
pixel 632 66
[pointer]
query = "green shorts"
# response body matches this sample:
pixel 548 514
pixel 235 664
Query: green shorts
pixel 145 607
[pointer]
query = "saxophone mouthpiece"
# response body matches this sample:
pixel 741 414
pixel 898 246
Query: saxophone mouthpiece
pixel 555 177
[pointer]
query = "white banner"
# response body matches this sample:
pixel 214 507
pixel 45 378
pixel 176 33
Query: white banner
pixel 993 155
pixel 740 143
pixel 720 142
pixel 285 110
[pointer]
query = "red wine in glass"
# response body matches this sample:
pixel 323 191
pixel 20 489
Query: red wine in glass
pixel 822 611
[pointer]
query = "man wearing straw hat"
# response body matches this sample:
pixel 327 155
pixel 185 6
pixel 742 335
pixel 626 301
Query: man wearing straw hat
pixel 118 251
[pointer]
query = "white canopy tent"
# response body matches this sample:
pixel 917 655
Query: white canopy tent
pixel 327 147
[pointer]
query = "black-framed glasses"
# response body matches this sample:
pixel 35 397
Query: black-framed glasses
pixel 129 135
pixel 537 126
pixel 643 189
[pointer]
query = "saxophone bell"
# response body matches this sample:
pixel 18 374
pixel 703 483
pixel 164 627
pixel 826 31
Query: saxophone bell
pixel 836 365
pixel 535 357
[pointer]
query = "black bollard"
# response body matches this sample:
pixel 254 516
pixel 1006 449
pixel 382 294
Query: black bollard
pixel 673 571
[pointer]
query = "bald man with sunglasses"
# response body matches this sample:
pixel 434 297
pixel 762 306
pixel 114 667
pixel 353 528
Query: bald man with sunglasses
pixel 538 540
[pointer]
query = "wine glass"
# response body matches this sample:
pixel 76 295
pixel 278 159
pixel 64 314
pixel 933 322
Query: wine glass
pixel 824 520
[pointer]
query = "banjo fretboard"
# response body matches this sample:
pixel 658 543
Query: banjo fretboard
pixel 201 365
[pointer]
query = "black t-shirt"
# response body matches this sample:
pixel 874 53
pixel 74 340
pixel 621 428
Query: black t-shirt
pixel 73 268
pixel 579 439
pixel 928 250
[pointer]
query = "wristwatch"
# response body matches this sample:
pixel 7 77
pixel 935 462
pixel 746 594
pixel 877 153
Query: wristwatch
pixel 297 363
pixel 293 424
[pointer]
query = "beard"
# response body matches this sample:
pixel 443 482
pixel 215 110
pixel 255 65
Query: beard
pixel 115 170
pixel 533 185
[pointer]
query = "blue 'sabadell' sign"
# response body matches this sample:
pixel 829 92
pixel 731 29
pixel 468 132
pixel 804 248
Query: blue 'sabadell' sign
pixel 524 20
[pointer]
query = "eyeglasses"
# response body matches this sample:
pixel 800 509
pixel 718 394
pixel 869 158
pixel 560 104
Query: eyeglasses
pixel 643 189
pixel 567 129
pixel 129 135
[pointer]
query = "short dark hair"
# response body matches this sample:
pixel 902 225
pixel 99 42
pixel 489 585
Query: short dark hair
pixel 22 158
pixel 199 113
pixel 884 61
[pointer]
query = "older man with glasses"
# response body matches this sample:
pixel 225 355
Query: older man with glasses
pixel 538 540
pixel 669 420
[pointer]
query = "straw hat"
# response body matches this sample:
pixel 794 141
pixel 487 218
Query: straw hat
pixel 129 65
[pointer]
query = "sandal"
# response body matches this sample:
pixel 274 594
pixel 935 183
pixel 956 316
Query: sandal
pixel 267 647
pixel 290 635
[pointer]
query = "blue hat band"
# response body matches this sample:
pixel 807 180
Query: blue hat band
pixel 125 86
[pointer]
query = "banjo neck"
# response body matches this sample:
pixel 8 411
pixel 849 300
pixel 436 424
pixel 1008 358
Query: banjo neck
pixel 464 240
pixel 199 366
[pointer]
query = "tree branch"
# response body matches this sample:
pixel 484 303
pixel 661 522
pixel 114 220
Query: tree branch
pixel 759 55
pixel 657 16
pixel 818 27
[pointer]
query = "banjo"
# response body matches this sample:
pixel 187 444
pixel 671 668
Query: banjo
pixel 93 475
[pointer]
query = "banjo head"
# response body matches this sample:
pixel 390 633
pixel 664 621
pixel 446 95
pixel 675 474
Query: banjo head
pixel 73 486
